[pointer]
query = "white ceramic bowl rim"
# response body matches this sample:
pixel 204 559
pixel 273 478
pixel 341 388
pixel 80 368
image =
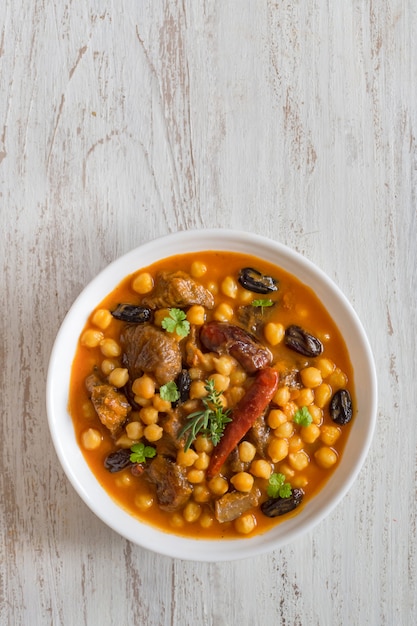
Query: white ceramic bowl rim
pixel 74 464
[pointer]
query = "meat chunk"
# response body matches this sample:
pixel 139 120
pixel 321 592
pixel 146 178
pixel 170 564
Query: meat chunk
pixel 177 289
pixel 259 435
pixel 151 350
pixel 170 442
pixel 172 488
pixel 233 505
pixel 110 404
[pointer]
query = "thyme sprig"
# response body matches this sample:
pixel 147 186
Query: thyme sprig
pixel 210 421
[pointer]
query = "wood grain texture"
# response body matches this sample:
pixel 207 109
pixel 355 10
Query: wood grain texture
pixel 123 121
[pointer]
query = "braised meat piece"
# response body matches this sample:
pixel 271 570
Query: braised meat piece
pixel 233 505
pixel 151 350
pixel 170 443
pixel 172 488
pixel 110 404
pixel 259 435
pixel 177 289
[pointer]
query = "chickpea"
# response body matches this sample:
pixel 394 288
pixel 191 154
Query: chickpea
pixel 134 430
pixel 218 485
pixel 124 441
pixel 206 520
pixel 198 389
pixel 221 382
pixel 305 397
pixel 316 413
pixel 223 312
pixel 191 512
pixel 326 367
pixel 299 481
pixel 102 318
pixel 110 347
pixel 148 415
pixel 91 338
pixel 213 288
pixel 224 364
pixel 177 520
pixel 277 449
pixel 311 377
pixel 159 404
pixel 203 444
pixel 234 394
pixel 153 432
pixel 274 333
pixel 144 386
pixel 322 395
pixel 91 439
pixel 337 379
pixel 118 377
pixel 186 458
pixel 295 443
pixel 276 417
pixel 143 501
pixel 142 283
pixel 310 433
pixel 107 366
pixel 196 315
pixel 124 480
pixel 330 434
pixel 281 396
pixel 195 476
pixel 290 409
pixel 285 430
pixel 246 451
pixel 299 460
pixel 261 469
pixel 201 493
pixel 229 287
pixel 326 457
pixel 198 269
pixel 202 462
pixel 245 524
pixel 237 377
pixel 159 316
pixel 242 481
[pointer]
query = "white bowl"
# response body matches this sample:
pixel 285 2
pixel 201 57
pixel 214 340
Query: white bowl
pixel 84 481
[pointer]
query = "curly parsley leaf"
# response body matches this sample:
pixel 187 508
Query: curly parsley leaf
pixel 303 417
pixel 176 322
pixel 169 391
pixel 262 302
pixel 210 422
pixel 277 487
pixel 140 452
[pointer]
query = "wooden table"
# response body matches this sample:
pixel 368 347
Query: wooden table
pixel 124 121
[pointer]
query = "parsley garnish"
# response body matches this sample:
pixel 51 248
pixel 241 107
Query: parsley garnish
pixel 169 391
pixel 303 417
pixel 210 422
pixel 176 322
pixel 262 302
pixel 277 487
pixel 140 452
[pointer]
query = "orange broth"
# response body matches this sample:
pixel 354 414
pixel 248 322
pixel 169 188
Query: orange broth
pixel 294 303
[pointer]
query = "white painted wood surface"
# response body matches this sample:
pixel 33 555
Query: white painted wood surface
pixel 122 121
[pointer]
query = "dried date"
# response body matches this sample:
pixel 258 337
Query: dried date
pixel 299 340
pixel 280 506
pixel 341 407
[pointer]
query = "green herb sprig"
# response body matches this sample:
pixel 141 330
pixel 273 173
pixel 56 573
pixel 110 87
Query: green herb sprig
pixel 303 417
pixel 262 303
pixel 211 421
pixel 140 453
pixel 169 391
pixel 277 487
pixel 176 322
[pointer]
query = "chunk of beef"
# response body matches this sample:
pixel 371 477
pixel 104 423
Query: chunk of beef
pixel 110 404
pixel 172 488
pixel 177 289
pixel 259 435
pixel 233 505
pixel 151 350
pixel 170 443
